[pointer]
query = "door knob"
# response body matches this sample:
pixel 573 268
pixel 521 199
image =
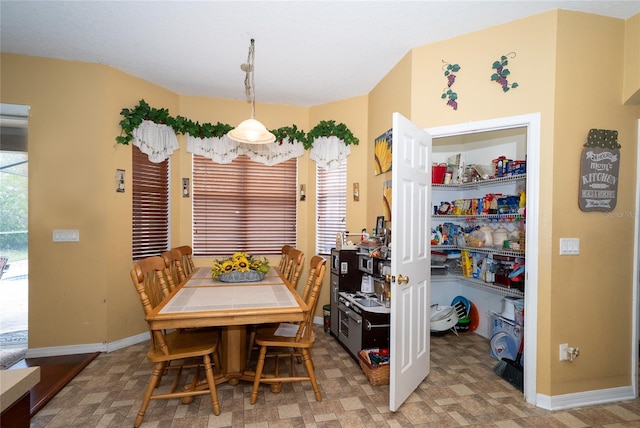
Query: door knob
pixel 403 279
pixel 389 278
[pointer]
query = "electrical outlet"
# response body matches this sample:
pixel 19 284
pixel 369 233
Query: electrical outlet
pixel 564 352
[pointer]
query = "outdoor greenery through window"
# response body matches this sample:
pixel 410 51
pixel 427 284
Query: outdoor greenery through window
pixel 13 209
pixel 331 206
pixel 243 206
pixel 150 183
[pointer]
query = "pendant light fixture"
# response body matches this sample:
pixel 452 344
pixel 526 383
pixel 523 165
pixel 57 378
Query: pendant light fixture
pixel 251 131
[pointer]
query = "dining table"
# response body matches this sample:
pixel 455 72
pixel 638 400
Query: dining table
pixel 201 301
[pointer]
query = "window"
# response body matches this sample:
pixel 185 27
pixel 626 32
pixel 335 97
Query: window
pixel 150 187
pixel 243 206
pixel 331 206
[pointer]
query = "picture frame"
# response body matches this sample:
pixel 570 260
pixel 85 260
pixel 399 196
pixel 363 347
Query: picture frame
pixel 382 149
pixel 379 225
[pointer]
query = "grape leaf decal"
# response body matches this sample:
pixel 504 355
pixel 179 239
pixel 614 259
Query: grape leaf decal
pixel 447 93
pixel 502 72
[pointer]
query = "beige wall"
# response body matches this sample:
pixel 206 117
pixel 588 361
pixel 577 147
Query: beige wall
pixel 533 67
pixel 79 292
pixel 353 113
pixel 123 312
pixel 631 86
pixel 601 278
pixel 392 94
pixel 569 67
pixel 560 67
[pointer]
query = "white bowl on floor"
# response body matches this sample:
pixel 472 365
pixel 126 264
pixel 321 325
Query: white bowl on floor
pixel 443 318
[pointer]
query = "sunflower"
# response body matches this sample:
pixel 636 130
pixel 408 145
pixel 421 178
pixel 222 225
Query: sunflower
pixel 239 262
pixel 227 266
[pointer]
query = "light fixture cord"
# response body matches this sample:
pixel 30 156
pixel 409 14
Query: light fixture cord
pixel 249 80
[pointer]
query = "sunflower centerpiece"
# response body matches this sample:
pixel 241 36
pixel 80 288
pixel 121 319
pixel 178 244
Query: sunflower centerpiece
pixel 240 267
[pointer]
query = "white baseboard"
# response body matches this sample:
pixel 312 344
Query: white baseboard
pixel 127 341
pixel 87 348
pixel 588 398
pixel 102 347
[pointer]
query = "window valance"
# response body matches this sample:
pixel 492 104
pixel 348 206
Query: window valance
pixel 155 140
pixel 224 150
pixel 154 131
pixel 329 151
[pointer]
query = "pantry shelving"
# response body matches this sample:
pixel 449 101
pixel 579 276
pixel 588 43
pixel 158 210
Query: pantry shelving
pixel 447 193
pixel 476 283
pixel 480 183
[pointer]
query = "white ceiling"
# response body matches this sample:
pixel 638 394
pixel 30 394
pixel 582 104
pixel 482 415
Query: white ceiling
pixel 307 52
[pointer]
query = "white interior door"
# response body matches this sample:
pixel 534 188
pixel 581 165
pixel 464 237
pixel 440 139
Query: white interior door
pixel 410 259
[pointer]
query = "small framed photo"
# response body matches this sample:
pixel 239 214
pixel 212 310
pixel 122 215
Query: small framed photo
pixel 120 180
pixel 380 225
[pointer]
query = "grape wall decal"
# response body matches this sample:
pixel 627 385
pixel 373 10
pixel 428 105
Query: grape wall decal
pixel 500 76
pixel 449 70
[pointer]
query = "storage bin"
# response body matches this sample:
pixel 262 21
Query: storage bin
pixel 437 174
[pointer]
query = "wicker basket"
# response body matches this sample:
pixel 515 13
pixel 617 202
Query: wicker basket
pixel 378 374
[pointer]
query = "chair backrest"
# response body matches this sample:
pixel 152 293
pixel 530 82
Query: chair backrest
pixel 284 259
pixel 294 267
pixel 311 294
pixel 173 262
pixel 187 259
pixel 150 277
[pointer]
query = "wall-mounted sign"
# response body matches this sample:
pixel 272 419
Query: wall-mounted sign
pixel 600 164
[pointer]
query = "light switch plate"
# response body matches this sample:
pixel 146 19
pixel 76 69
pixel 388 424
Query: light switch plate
pixel 66 235
pixel 569 246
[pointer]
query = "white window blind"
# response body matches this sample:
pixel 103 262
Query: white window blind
pixel 331 206
pixel 243 206
pixel 150 189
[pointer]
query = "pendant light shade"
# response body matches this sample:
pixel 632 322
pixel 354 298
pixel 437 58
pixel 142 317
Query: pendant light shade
pixel 251 131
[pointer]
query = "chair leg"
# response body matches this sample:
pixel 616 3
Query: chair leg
pixel 276 387
pixel 216 361
pixel 212 385
pixel 192 387
pixel 158 370
pixel 258 375
pixel 306 357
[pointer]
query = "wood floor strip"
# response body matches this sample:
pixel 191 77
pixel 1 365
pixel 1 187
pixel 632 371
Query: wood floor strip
pixel 55 373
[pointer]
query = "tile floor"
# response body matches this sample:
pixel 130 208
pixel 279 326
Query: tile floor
pixel 461 390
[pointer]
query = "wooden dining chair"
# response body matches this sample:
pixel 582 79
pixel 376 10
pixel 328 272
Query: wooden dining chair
pixel 294 267
pixel 291 347
pixel 187 259
pixel 148 276
pixel 284 259
pixel 295 263
pixel 173 262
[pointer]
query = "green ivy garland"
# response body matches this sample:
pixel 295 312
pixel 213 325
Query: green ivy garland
pixel 132 118
pixel 327 128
